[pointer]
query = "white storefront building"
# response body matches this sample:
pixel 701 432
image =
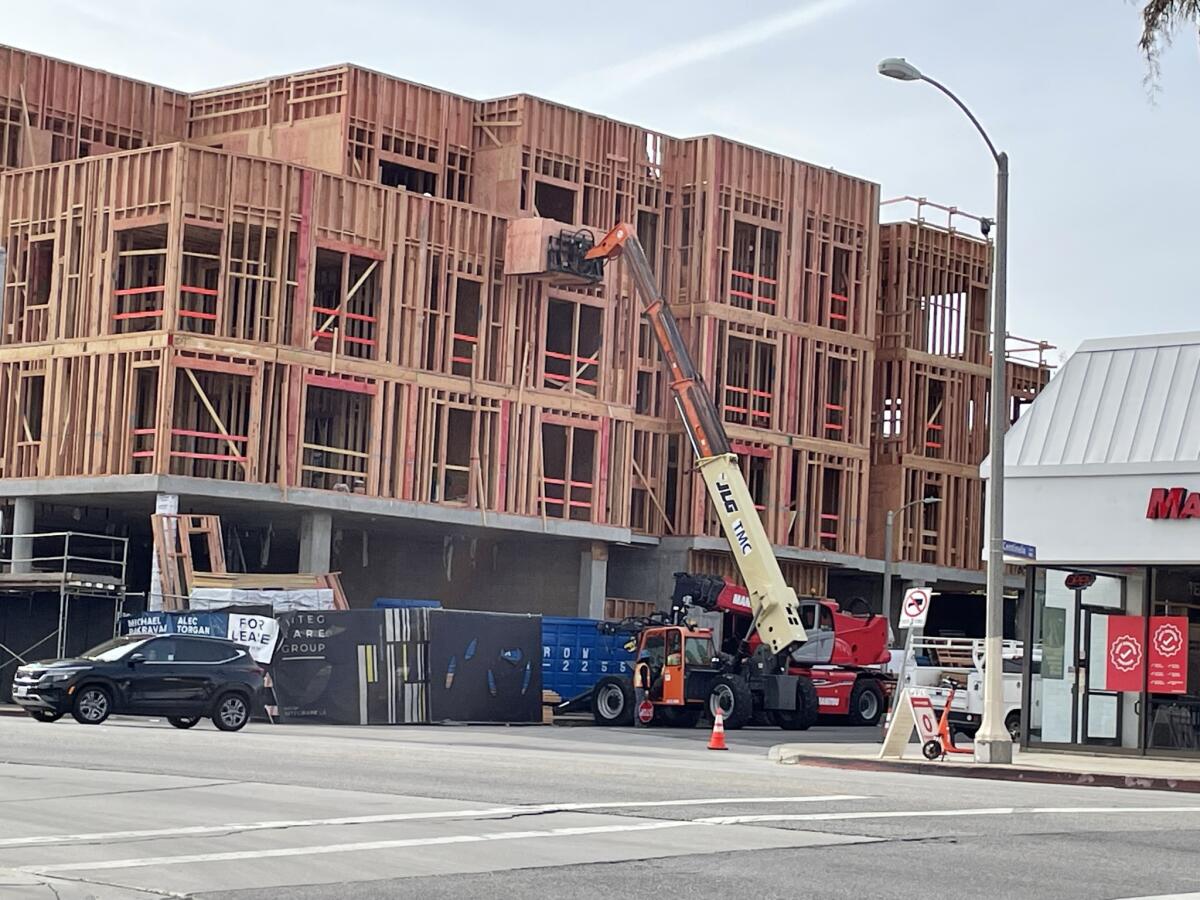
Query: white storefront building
pixel 1103 479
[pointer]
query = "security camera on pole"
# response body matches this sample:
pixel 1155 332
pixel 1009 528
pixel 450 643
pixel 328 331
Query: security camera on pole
pixel 992 742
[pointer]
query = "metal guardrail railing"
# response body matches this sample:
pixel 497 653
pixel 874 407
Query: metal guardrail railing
pixel 65 553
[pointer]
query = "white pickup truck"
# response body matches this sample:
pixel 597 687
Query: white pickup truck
pixel 937 663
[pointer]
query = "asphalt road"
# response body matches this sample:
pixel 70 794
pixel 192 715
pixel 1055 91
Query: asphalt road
pixel 137 809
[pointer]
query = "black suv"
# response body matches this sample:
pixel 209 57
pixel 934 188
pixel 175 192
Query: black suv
pixel 180 677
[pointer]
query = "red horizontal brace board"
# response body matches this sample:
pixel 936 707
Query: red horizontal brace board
pixel 144 314
pixel 206 292
pixel 762 278
pixel 193 314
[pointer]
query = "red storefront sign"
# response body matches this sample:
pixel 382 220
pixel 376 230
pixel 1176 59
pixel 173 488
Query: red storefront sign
pixel 1173 503
pixel 1126 656
pixel 1163 663
pixel 1168 655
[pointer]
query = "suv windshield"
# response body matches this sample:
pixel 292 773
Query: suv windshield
pixel 115 649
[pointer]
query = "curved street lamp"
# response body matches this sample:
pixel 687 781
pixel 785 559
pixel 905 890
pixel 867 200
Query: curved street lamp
pixel 993 743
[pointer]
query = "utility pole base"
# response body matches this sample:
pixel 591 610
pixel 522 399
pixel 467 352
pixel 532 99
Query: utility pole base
pixel 994 753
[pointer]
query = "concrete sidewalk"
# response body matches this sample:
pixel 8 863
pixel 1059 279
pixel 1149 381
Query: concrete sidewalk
pixel 1030 765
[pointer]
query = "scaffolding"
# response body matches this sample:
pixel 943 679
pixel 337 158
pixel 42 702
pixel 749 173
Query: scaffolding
pixel 69 565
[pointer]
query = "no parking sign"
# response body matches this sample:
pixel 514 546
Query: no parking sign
pixel 915 608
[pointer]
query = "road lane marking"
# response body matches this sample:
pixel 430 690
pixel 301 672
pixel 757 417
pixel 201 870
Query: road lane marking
pixel 936 813
pixel 383 818
pixel 362 846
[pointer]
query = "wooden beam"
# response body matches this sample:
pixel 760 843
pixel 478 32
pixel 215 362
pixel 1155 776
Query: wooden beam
pixel 27 127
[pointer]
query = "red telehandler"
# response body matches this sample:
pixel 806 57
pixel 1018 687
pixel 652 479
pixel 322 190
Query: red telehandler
pixel 842 656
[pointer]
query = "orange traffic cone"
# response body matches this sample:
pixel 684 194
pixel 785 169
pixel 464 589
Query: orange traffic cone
pixel 717 741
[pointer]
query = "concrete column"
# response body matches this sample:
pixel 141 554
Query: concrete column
pixel 164 505
pixel 316 542
pixel 22 547
pixel 593 580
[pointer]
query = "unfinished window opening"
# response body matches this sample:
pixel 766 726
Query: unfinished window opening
pixel 554 202
pixel 394 174
pixel 41 273
pixel 945 324
pixel 10 133
pixel 250 300
pixel 464 349
pixel 29 441
pixel 648 400
pixel 436 314
pixel 140 279
pixel 458 175
pixel 829 526
pixel 754 272
pixel 747 378
pixel 210 425
pixel 839 293
pixel 756 468
pixel 145 419
pixel 835 400
pixel 571 353
pixel 453 440
pixel 199 280
pixel 935 397
pixel 671 490
pixel 647 232
pixel 336 430
pixel 928 515
pixel 568 471
pixel 346 297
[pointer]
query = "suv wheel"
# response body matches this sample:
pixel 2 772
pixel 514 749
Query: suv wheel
pixel 183 721
pixel 45 715
pixel 231 713
pixel 92 705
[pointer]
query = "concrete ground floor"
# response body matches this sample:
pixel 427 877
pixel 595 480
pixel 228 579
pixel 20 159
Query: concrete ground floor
pixel 464 558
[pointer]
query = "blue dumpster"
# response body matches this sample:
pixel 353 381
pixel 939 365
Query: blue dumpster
pixel 575 655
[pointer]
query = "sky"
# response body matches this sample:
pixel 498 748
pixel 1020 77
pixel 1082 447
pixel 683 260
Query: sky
pixel 1105 186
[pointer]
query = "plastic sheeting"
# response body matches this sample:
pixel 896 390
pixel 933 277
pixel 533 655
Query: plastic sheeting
pixel 280 601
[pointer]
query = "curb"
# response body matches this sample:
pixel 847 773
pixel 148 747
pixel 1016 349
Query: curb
pixel 994 773
pixel 11 710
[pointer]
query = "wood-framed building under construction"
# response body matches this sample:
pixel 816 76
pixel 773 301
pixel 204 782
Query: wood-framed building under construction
pixel 317 306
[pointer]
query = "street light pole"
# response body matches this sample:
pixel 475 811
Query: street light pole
pixel 992 742
pixel 889 547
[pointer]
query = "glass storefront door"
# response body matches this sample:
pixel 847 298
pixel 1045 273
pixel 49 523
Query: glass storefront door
pixel 1098 710
pixel 1070 693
